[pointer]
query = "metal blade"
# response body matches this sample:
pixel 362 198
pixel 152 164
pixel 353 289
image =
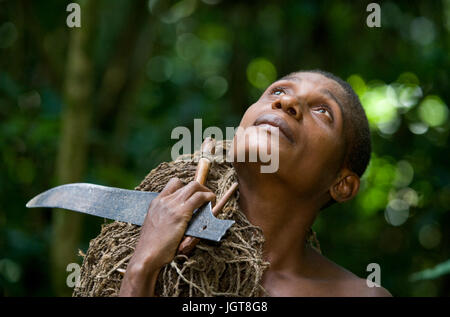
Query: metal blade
pixel 124 205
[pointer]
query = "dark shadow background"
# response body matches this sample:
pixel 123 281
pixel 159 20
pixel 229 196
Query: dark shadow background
pixel 98 103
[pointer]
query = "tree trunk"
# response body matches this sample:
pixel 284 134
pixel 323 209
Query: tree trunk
pixel 136 75
pixel 73 147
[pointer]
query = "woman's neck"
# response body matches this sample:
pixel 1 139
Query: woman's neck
pixel 284 218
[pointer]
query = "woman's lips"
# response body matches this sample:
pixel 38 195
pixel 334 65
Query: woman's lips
pixel 278 122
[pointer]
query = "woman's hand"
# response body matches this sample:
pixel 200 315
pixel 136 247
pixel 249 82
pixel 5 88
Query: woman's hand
pixel 164 226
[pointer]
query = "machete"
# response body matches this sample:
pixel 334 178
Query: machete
pixel 124 205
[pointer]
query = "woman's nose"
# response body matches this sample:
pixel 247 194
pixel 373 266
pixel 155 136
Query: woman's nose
pixel 288 104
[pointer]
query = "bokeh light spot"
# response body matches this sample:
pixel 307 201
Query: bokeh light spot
pixel 10 270
pixel 216 86
pixel 433 111
pixel 358 84
pixel 408 78
pixel 409 195
pixel 397 212
pixel 372 200
pixel 409 95
pixel 430 236
pixel 422 31
pixel 404 174
pixel 418 128
pixel 189 46
pixel 179 10
pixel 380 105
pixel 261 73
pixel 159 69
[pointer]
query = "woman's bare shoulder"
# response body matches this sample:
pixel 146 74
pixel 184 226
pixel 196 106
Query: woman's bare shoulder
pixel 344 282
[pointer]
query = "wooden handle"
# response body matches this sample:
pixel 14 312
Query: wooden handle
pixel 202 170
pixel 189 243
pixel 207 149
pixel 201 174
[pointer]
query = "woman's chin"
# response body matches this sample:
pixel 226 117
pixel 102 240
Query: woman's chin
pixel 257 142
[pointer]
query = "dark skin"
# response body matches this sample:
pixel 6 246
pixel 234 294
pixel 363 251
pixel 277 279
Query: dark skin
pixel 312 146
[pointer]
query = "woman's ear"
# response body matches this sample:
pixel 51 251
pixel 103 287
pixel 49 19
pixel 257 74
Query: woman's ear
pixel 346 186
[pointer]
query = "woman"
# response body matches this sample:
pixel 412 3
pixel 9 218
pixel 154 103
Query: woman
pixel 324 148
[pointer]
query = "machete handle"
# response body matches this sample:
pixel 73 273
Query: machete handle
pixel 201 174
pixel 207 149
pixel 202 170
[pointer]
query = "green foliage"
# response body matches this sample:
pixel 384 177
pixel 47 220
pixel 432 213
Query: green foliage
pixel 435 272
pixel 160 64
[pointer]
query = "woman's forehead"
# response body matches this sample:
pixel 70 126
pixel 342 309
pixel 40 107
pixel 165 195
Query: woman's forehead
pixel 315 78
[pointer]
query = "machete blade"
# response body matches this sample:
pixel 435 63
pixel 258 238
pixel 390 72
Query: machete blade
pixel 124 205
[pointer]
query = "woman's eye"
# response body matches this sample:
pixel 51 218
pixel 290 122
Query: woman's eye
pixel 277 91
pixel 324 110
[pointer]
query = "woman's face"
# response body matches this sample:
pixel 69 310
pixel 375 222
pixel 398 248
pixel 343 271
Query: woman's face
pixel 308 110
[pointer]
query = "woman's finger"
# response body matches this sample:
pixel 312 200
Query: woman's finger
pixel 187 191
pixel 198 199
pixel 172 186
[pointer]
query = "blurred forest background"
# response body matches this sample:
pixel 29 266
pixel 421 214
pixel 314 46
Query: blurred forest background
pixel 98 103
